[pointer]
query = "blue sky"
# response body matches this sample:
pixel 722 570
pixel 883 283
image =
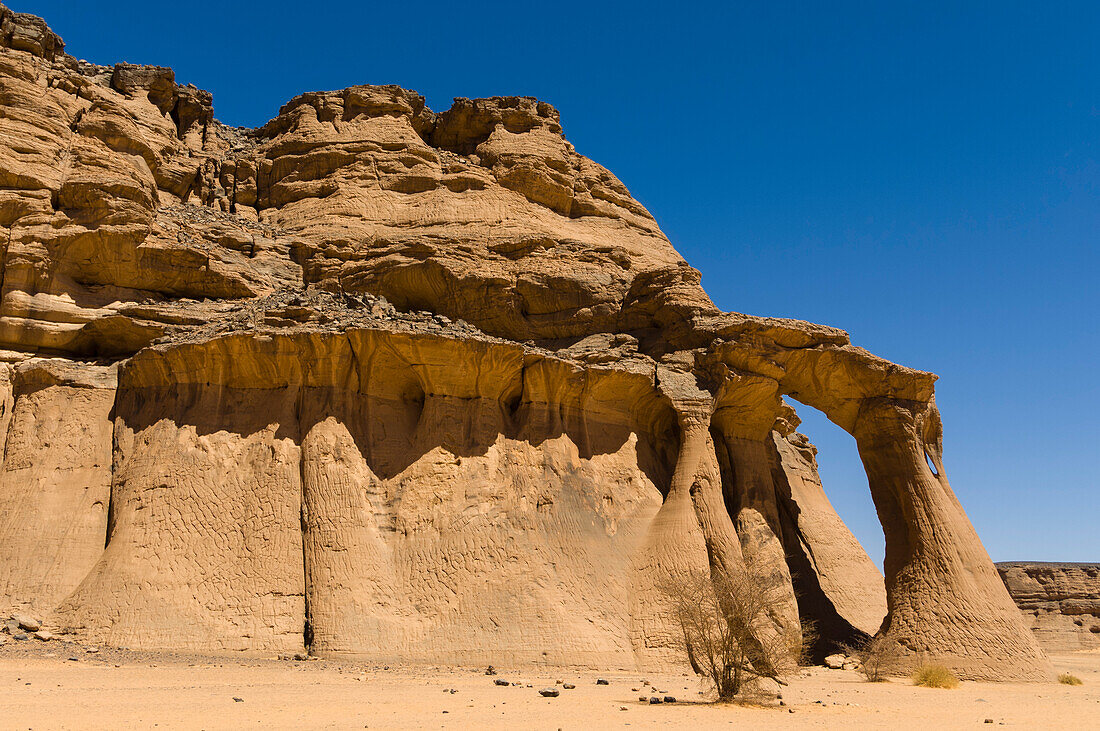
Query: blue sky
pixel 924 175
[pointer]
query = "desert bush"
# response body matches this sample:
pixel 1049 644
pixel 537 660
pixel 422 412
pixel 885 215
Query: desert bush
pixel 728 630
pixel 878 657
pixel 1069 679
pixel 935 676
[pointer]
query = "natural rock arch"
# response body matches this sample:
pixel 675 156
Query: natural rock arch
pixel 235 280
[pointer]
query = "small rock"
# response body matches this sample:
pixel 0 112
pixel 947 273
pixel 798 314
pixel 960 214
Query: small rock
pixel 490 670
pixel 91 650
pixel 74 659
pixel 238 700
pixel 622 708
pixel 835 662
pixel 19 636
pixel 670 699
pixel 568 686
pixel 11 626
pixel 301 656
pixel 501 681
pixel 27 622
pixel 549 692
pixel 790 710
pixel 643 699
pixel 45 635
pixel 988 720
pixel 654 700
pixel 601 681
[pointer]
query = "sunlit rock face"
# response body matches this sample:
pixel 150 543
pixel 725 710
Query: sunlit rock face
pixel 376 380
pixel 1059 601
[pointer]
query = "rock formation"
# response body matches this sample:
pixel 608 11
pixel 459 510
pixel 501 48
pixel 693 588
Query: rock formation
pixel 1059 601
pixel 376 380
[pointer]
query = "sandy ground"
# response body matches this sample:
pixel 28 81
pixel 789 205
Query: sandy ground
pixel 58 685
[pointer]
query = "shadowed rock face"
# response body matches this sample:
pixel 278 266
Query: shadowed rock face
pixel 377 380
pixel 1059 601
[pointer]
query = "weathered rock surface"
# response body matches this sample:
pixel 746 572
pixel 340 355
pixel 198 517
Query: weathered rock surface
pixel 1059 601
pixel 377 380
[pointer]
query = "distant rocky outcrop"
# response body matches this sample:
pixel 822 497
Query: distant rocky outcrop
pixel 1059 601
pixel 372 379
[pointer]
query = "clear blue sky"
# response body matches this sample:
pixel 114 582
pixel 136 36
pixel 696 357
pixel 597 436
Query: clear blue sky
pixel 925 175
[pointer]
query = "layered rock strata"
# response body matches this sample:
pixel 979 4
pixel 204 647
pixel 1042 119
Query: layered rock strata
pixel 1059 601
pixel 377 380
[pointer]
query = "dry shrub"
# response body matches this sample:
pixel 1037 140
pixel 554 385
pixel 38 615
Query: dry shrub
pixel 1069 679
pixel 935 676
pixel 728 632
pixel 878 657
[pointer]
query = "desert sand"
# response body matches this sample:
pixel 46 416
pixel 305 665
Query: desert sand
pixel 43 687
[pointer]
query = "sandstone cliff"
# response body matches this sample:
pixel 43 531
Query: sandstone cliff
pixel 378 380
pixel 1059 601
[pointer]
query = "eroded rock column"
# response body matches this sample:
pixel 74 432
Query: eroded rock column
pixel 946 601
pixel 204 546
pixel 838 586
pixel 56 478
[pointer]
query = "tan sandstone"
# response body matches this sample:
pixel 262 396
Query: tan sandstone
pixel 418 385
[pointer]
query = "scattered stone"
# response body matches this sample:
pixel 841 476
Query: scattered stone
pixel 501 681
pixel 27 622
pixel 654 700
pixel 238 700
pixel 490 670
pixel 45 635
pixel 300 656
pixel 19 636
pixel 568 686
pixel 835 662
pixel 601 681
pixel 988 720
pixel 549 692
pixel 670 699
pixel 74 658
pixel 91 650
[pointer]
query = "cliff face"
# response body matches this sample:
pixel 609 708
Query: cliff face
pixel 373 379
pixel 1059 601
